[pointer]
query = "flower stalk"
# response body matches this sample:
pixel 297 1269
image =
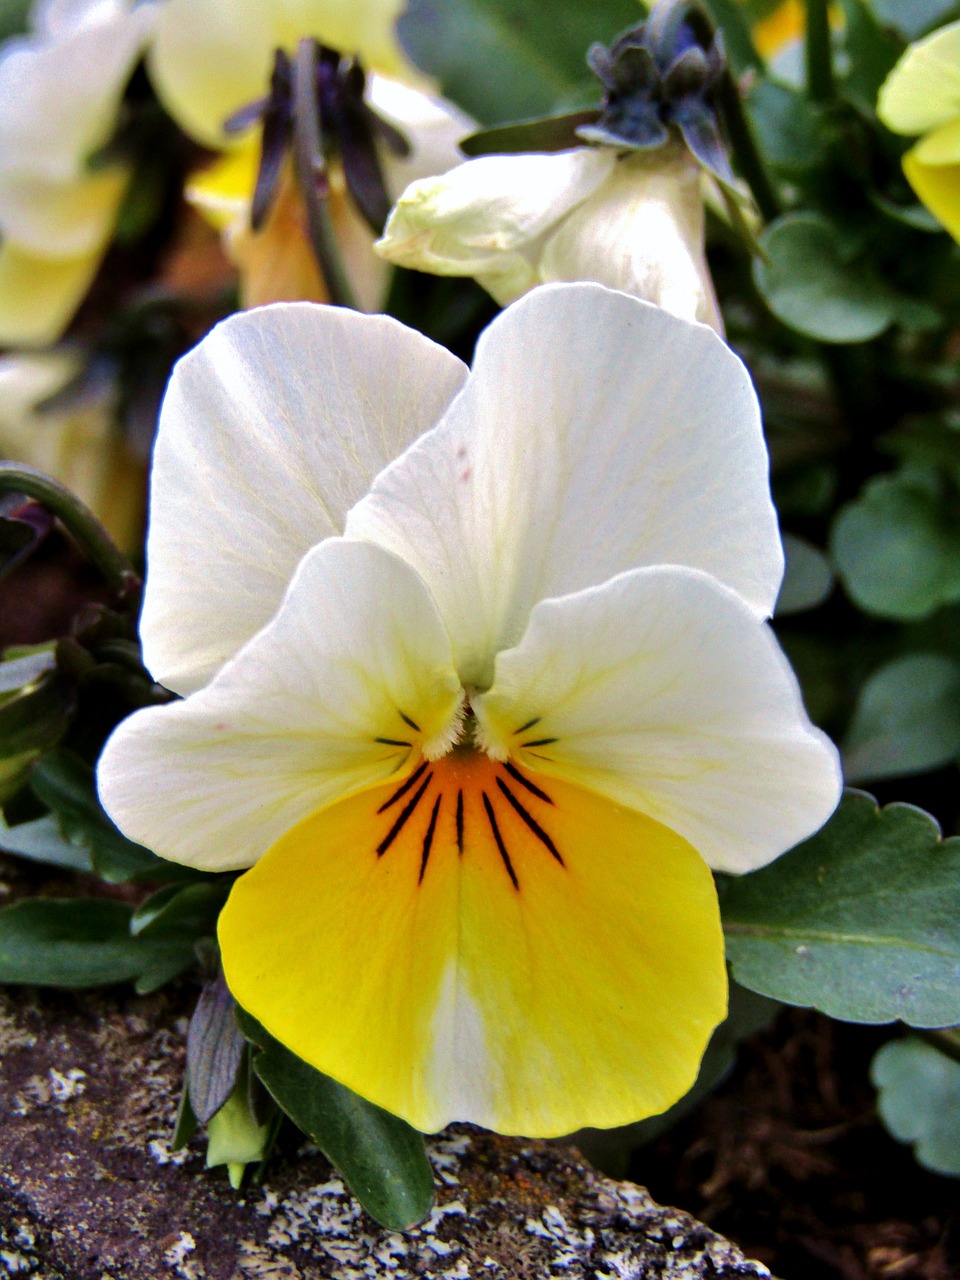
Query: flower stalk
pixel 818 52
pixel 77 518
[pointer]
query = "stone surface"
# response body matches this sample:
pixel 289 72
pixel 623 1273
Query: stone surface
pixel 89 1189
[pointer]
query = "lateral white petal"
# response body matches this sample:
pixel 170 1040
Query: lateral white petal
pixel 596 434
pixel 292 722
pixel 270 429
pixel 432 125
pixel 61 219
pixel 481 215
pixel 661 690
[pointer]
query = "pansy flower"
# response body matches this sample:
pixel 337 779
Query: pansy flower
pixel 475 722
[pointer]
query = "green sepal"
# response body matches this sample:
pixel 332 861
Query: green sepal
pixel 35 716
pixel 82 942
pixel 381 1158
pixel 861 921
pixel 186 1124
pixel 547 133
pixel 65 783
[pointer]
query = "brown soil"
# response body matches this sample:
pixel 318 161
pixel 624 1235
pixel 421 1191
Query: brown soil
pixel 789 1159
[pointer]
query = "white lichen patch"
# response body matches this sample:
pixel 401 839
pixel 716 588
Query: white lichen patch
pixel 65 1085
pixel 158 1149
pixel 177 1257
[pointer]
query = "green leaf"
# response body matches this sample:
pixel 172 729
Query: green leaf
pixel 25 668
pixel 80 942
pixel 897 549
pixel 787 126
pixel 915 17
pixel 808 578
pixel 861 921
pixel 505 60
pixel 190 909
pixel 872 51
pixel 65 783
pixel 919 1101
pixel 15 774
pixel 14 17
pixel 548 133
pixel 730 18
pixel 810 285
pixel 381 1158
pixel 907 719
pixel 36 715
pixel 42 841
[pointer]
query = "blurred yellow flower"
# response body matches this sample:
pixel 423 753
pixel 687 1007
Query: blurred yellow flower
pixel 56 214
pixel 77 444
pixel 921 96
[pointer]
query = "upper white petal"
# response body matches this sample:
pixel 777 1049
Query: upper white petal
pixel 663 691
pixel 271 428
pixel 596 434
pixel 290 724
pixel 432 125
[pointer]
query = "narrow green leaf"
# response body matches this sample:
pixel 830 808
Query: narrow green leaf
pixel 24 669
pixel 42 841
pixel 907 719
pixel 381 1158
pixel 36 715
pixel 548 133
pixel 506 60
pixel 190 909
pixel 808 284
pixel 79 942
pixel 861 921
pixel 919 1101
pixel 897 549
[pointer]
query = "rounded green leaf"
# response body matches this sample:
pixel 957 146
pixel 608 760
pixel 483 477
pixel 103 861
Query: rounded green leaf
pixel 919 1101
pixel 897 549
pixel 807 579
pixel 861 921
pixel 807 283
pixel 907 719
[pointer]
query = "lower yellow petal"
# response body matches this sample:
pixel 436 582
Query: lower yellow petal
pixel 938 187
pixel 475 942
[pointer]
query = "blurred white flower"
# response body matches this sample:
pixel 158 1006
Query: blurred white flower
pixel 633 222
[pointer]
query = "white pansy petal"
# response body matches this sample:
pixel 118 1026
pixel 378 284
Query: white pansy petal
pixel 345 687
pixel 59 96
pixel 39 296
pixel 466 220
pixel 596 434
pixel 923 89
pixel 661 690
pixel 641 231
pixel 270 429
pixel 431 125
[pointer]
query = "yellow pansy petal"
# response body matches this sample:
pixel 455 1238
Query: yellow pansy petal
pixel 942 146
pixel 39 296
pixel 938 187
pixel 785 24
pixel 923 89
pixel 223 191
pixel 480 944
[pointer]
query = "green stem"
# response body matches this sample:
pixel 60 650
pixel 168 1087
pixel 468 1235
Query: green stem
pixel 308 154
pixel 745 150
pixel 818 52
pixel 76 518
